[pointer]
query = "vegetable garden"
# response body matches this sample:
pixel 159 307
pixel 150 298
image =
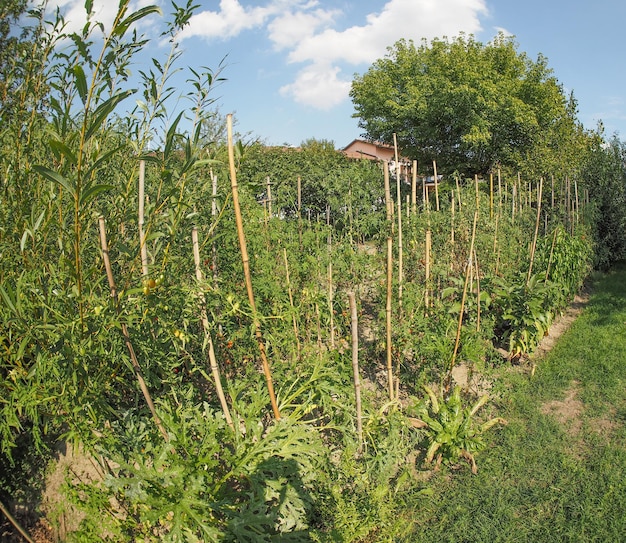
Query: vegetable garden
pixel 250 343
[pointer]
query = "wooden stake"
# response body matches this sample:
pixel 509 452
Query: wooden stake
pixel 131 351
pixel 142 238
pixel 268 191
pixel 299 208
pixel 354 326
pixel 534 244
pixel 428 243
pixel 389 279
pixel 246 267
pixel 207 334
pixel 436 185
pixel 468 271
pixel 15 524
pixel 330 279
pixel 293 314
pixel 491 195
pixel 399 203
pixel 414 188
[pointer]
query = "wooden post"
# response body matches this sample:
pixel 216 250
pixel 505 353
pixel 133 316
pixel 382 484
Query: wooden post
pixel 207 334
pixel 399 204
pixel 299 207
pixel 246 267
pixel 389 351
pixel 428 243
pixel 468 271
pixel 354 327
pixel 436 185
pixel 534 243
pixel 268 186
pixel 142 237
pixel 131 351
pixel 414 188
pixel 330 278
pixel 491 195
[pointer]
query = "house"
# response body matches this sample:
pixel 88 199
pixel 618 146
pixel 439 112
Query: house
pixel 369 150
pixel 375 150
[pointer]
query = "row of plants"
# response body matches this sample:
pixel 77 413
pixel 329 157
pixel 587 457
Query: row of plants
pixel 128 327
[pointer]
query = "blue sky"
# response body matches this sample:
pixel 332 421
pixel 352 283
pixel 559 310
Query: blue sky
pixel 289 63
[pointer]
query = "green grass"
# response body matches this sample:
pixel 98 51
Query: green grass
pixel 545 479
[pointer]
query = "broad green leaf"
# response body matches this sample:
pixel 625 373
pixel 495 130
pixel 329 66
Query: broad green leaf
pixel 81 82
pixel 104 110
pixel 60 149
pixel 93 191
pixel 9 299
pixel 171 134
pixel 100 160
pixel 56 177
pixel 121 28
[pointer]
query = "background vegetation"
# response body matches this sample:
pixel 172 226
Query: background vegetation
pixel 217 404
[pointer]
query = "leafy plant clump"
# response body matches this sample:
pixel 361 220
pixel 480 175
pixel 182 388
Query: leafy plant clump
pixel 451 430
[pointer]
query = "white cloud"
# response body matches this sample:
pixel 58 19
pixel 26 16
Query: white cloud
pixel 397 19
pixel 104 11
pixel 359 45
pixel 318 85
pixel 233 18
pixel 503 31
pixel 291 28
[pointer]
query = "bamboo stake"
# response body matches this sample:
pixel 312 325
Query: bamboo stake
pixel 142 238
pixel 551 254
pixel 436 186
pixel 293 314
pixel 576 200
pixel 513 200
pixel 477 193
pixel 299 204
pixel 389 279
pixel 468 271
pixel 213 215
pixel 15 524
pixel 215 372
pixel 399 203
pixel 354 326
pixel 129 345
pixel 428 243
pixel 534 244
pixel 452 213
pixel 330 279
pixel 414 188
pixel 246 267
pixel 491 195
pixel 269 196
pixel 477 291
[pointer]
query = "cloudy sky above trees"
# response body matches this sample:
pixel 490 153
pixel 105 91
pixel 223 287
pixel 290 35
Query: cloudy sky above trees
pixel 289 63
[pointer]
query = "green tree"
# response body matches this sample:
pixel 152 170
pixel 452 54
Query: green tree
pixel 468 105
pixel 604 174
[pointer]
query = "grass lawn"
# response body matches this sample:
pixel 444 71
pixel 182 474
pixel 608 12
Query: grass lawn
pixel 557 472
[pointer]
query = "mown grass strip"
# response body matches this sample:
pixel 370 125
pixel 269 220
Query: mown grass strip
pixel 557 472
